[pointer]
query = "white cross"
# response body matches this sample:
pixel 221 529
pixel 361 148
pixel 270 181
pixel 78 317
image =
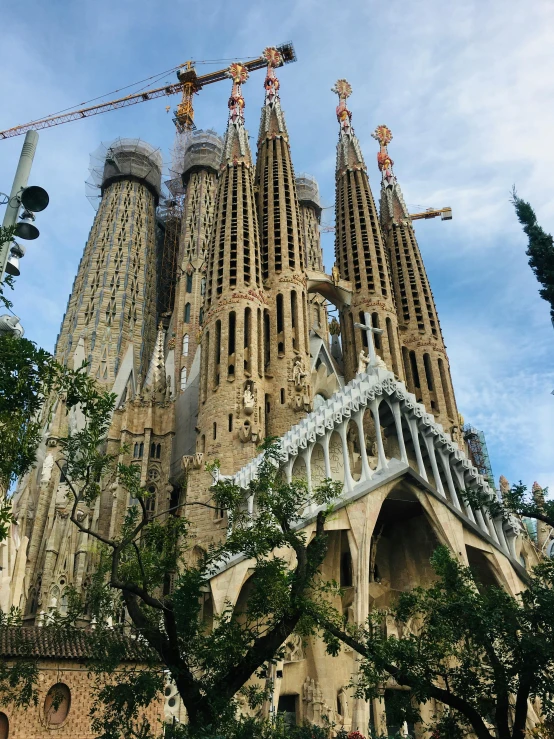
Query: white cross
pixel 368 328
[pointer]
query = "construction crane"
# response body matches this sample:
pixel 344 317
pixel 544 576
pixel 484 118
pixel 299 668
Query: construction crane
pixel 444 213
pixel 188 85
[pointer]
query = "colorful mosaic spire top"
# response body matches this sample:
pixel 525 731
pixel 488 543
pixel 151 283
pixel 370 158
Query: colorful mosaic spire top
pixel 383 135
pixel 239 74
pixel 271 82
pixel 343 89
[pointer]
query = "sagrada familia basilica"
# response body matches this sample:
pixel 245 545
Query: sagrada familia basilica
pixel 244 350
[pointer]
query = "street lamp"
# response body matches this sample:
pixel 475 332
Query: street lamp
pixel 34 199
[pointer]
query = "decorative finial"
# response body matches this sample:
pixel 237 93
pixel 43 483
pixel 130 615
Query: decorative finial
pixel 343 89
pixel 239 74
pixel 504 486
pixel 271 84
pixel 383 135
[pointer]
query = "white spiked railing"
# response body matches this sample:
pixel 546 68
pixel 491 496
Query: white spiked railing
pixel 445 467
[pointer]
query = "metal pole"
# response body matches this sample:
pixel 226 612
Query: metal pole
pixel 19 183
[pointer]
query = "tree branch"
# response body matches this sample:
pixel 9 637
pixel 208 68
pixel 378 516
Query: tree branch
pixel 402 678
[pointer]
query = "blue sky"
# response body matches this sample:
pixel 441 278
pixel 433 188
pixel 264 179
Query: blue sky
pixel 466 88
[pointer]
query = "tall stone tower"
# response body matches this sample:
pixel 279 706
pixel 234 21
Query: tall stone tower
pixel 231 418
pixel 201 167
pixel 426 366
pixel 113 300
pixel 310 218
pixel 286 346
pixel 360 252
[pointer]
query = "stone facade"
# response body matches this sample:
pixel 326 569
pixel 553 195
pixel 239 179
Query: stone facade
pixel 424 358
pixel 360 252
pixel 246 353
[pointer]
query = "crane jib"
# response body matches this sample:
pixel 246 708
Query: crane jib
pixel 186 77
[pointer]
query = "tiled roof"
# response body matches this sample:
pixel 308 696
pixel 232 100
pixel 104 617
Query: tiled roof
pixel 49 642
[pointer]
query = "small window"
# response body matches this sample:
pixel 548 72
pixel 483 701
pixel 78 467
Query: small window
pixel 158 451
pixel 141 450
pixel 230 421
pixel 57 704
pixel 187 313
pixel 183 378
pixel 282 396
pixel 203 286
pixel 215 430
pixel 189 283
pixel 185 345
pixel 152 450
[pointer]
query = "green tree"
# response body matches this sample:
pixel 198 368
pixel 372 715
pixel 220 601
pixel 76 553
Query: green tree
pixel 477 652
pixel 209 661
pixel 540 249
pixel 27 376
pixel 517 500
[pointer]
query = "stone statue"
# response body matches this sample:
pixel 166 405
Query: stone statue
pixel 47 465
pixel 248 400
pixel 167 397
pixel 294 651
pixel 363 362
pixel 335 274
pixel 298 373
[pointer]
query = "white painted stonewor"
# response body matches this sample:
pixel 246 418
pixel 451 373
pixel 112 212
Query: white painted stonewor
pixel 317 447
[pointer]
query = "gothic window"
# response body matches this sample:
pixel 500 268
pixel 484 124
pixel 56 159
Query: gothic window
pixel 215 430
pixel 231 343
pixel 150 501
pixel 189 283
pixel 158 451
pixel 415 372
pixel 185 345
pixel 428 371
pixel 183 378
pixel 152 450
pixel 280 326
pixel 203 286
pixel 187 313
pixel 201 316
pixel 294 318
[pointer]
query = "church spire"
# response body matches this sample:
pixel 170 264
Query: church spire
pixel 231 404
pixel 236 148
pixel 272 122
pixel 349 152
pixel 392 200
pixel 360 253
pixel 287 350
pixel 424 357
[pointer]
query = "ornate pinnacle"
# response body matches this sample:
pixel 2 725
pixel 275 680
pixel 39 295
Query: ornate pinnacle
pixel 383 135
pixel 343 89
pixel 239 74
pixel 271 83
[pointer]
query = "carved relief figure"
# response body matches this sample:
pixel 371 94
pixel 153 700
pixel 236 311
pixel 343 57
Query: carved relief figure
pixel 47 465
pixel 363 362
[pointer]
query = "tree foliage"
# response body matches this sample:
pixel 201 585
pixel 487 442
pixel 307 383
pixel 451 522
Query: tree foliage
pixel 209 661
pixel 517 500
pixel 540 249
pixel 479 653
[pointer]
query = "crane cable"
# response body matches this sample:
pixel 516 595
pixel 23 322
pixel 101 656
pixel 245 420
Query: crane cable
pixel 152 79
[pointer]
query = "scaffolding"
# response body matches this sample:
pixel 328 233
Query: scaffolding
pixel 123 159
pixel 478 452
